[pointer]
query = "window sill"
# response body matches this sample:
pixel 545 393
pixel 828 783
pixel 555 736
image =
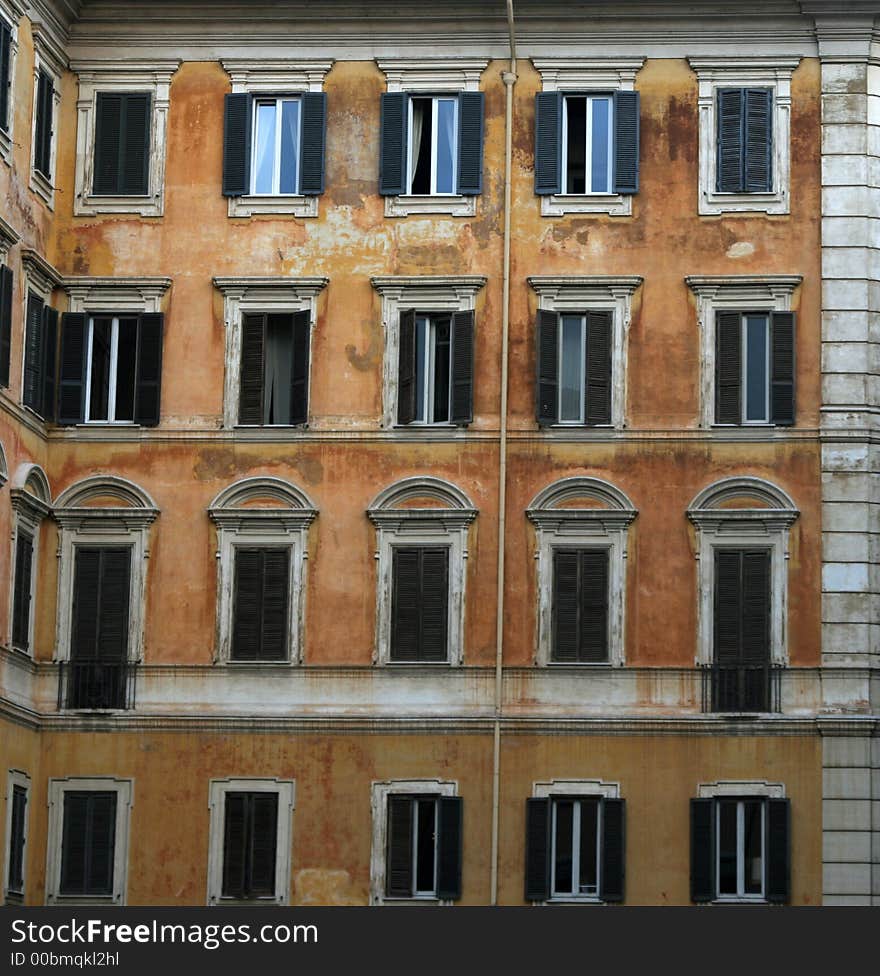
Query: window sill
pixel 740 900
pixel 42 187
pixel 145 206
pixel 270 428
pixel 257 665
pixel 84 900
pixel 582 664
pixel 613 204
pixel 253 205
pixel 573 900
pixel 412 204
pixel 713 203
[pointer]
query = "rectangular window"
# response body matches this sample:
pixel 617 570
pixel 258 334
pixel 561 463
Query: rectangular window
pixel 423 846
pixel 88 843
pixel 744 140
pixel 432 369
pixel 580 606
pixel 17 835
pixel 274 373
pixel 40 352
pixel 588 142
pixel 5 73
pixel 261 604
pixel 5 323
pixel 122 143
pixel 43 128
pixel 250 837
pixel 433 144
pixel 419 603
pixel 276 138
pixel 111 357
pixel 756 372
pixel 740 848
pixel 21 595
pixel 576 851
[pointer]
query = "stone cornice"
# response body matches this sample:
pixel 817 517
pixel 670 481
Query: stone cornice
pixel 9 237
pixel 43 275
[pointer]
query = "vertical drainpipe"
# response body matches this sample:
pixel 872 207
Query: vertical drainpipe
pixel 509 79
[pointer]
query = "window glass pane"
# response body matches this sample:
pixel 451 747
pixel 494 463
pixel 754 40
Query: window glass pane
pixel 425 846
pixel 571 384
pixel 126 350
pixel 445 145
pixel 289 141
pixel 588 880
pixel 279 369
pixel 441 371
pixel 727 847
pixel 264 147
pixel 420 146
pixel 422 330
pixel 601 138
pixel 756 367
pixel 576 145
pixel 753 873
pixel 564 827
pixel 99 382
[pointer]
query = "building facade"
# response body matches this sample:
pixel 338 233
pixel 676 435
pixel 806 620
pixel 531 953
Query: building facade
pixel 439 457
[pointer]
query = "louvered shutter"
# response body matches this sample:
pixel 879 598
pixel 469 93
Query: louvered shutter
pixel 702 850
pixel 149 369
pixel 263 842
pixel 236 145
pixel 247 610
pixel 50 354
pixel 548 143
pixel 43 127
pixel 406 369
pixel 613 849
pixel 728 368
pixel 276 575
pixel 537 886
pixel 17 832
pixel 782 368
pixel 728 607
pixel 598 368
pixel 88 843
pixel 462 361
pixel 566 606
pixel 758 149
pixel 74 843
pixel 434 604
pixel 471 110
pixel 21 609
pixel 449 854
pixel 778 849
pixel 547 363
pixel 234 845
pixel 135 156
pixel 299 392
pixel 419 606
pixel 398 862
pixel 86 590
pixel 626 141
pixel 32 390
pixel 5 323
pixel 71 392
pixel 5 69
pixel 729 169
pixel 108 143
pixel 756 607
pixel 112 646
pixel 593 594
pixel 250 404
pixel 392 143
pixel 102 835
pixel 312 143
pixel 405 574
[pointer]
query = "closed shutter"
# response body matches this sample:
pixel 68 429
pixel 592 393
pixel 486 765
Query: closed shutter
pixel 299 392
pixel 613 849
pixel 756 607
pixel 626 142
pixel 566 606
pixel 742 606
pixel 548 143
pixel 260 622
pixel 729 140
pixel 392 143
pixel 250 403
pixel 758 151
pixel 108 143
pixel 398 860
pixel 71 381
pixel 470 143
pixel 419 608
pixel 598 368
pixel 234 845
pixel 779 851
pixel 236 145
pixel 782 354
pixel 728 368
pixel 263 842
pixel 149 369
pixel 21 603
pixel 547 362
pixel 50 355
pixel 312 143
pixel 17 834
pixel 135 161
pixel 5 73
pixel 406 368
pixel 32 381
pixel 580 605
pixel 728 606
pixel 122 144
pixel 405 571
pixel 43 127
pixel 101 589
pixel 462 359
pixel 702 850
pixel 537 886
pixel 88 842
pixel 449 855
pixel 5 323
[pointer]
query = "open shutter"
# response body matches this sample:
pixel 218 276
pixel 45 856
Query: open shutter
pixel 299 374
pixel 406 370
pixel 236 145
pixel 626 142
pixel 729 140
pixel 149 369
pixel 598 368
pixel 702 850
pixel 779 851
pixel 5 65
pixel 32 391
pixel 74 843
pixel 566 605
pixel 71 385
pixel 112 645
pixel 50 353
pixel 613 849
pixel 758 150
pixel 782 354
pixel 398 863
pixel 21 610
pixel 312 143
pixel 250 403
pixel 392 143
pixel 470 143
pixel 263 841
pixel 234 840
pixel 547 361
pixel 102 835
pixel 593 599
pixel 537 850
pixel 548 143
pixel 728 368
pixel 134 163
pixel 17 832
pixel 449 838
pixel 43 127
pixel 108 140
pixel 5 323
pixel 462 360
pixel 276 576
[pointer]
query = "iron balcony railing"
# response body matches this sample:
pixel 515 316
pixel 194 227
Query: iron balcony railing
pixel 742 688
pixel 96 684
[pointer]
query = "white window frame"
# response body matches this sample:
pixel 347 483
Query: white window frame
pixel 16 777
pixel 278 102
pixel 284 522
pixel 31 501
pixel 397 525
pixel 120 77
pixel 428 366
pixel 435 99
pixel 49 57
pixel 744 72
pixel 261 77
pixel 588 76
pixel 425 293
pixel 244 295
pixel 285 789
pixel 124 789
pixel 735 293
pixel 114 362
pixel 559 526
pixel 588 155
pixel 379 794
pixel 744 379
pixel 427 77
pixel 11 11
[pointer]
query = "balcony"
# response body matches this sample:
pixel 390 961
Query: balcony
pixel 741 688
pixel 96 684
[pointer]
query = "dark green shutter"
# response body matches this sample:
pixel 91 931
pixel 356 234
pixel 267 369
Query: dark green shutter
pixel 234 845
pixel 598 370
pixel 135 162
pixel 782 368
pixel 566 606
pixel 32 380
pixel 405 573
pixel 398 861
pixel 756 607
pixel 449 855
pixel 547 368
pixel 419 603
pixel 122 144
pixel 729 148
pixel 613 850
pixel 250 402
pixel 299 392
pixel 434 604
pixel 312 143
pixel 5 72
pixel 50 356
pixel 548 143
pixel 86 603
pixel 259 631
pixel 728 607
pixel 471 108
pixel 74 844
pixel 778 849
pixel 537 886
pixel 101 588
pixel 702 850
pixel 728 368
pixel 88 842
pixel 71 381
pixel 276 578
pixel 17 834
pixel 580 606
pixel 758 139
pixel 406 368
pixel 21 596
pixel 236 145
pixel 43 127
pixel 462 360
pixel 393 124
pixel 263 843
pixel 626 142
pixel 108 142
pixel 149 369
pixel 5 323
pixel 742 606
